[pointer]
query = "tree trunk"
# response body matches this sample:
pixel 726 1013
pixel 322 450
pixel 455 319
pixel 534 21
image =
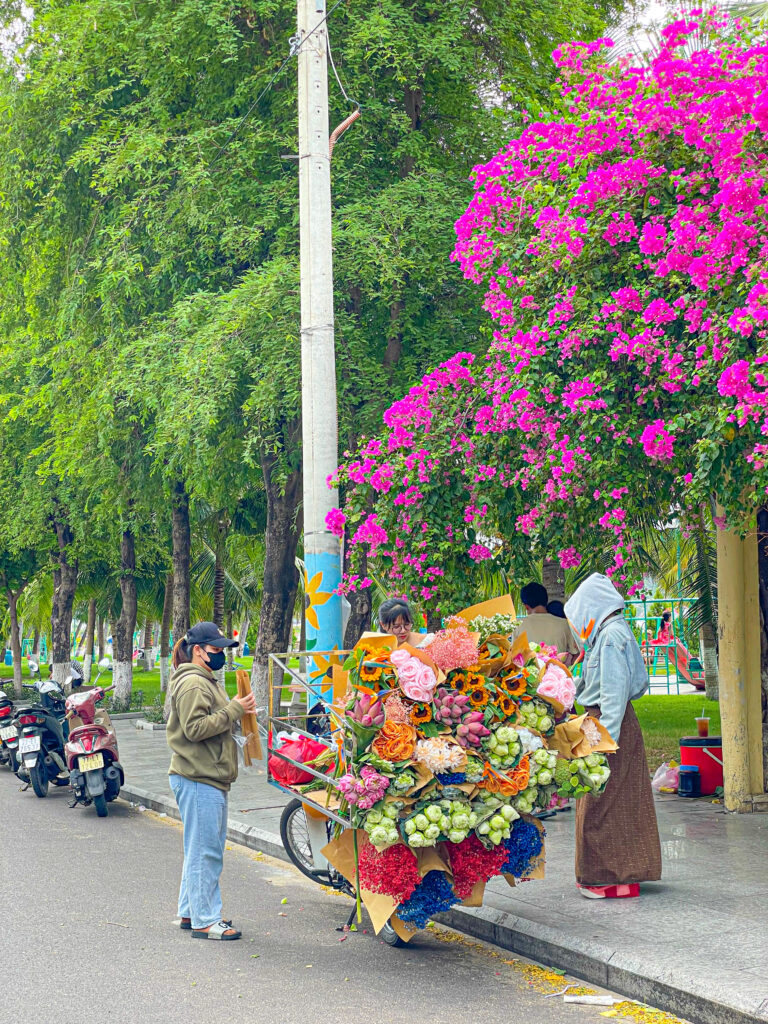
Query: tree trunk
pixel 553 579
pixel 122 635
pixel 361 604
pixel 64 586
pixel 89 633
pixel 36 646
pixel 230 650
pixel 281 579
pixel 218 591
pixel 245 625
pixel 100 637
pixel 182 543
pixel 762 563
pixel 708 645
pixel 181 553
pixel 165 634
pixel 12 597
pixel 434 622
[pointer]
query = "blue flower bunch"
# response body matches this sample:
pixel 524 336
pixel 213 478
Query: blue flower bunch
pixel 523 847
pixel 431 896
pixel 451 778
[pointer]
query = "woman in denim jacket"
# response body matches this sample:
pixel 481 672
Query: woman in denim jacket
pixel 617 837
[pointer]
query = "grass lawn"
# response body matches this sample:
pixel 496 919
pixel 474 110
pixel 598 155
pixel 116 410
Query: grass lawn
pixel 664 718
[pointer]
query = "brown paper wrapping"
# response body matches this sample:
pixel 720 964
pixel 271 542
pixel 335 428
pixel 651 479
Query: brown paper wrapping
pixel 383 641
pixel 341 853
pixel 520 645
pixel 328 801
pixel 402 929
pixel 475 898
pixel 496 606
pixel 250 727
pixel 570 742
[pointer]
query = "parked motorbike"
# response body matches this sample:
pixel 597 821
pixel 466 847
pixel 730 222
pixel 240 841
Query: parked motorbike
pixel 95 772
pixel 7 732
pixel 41 732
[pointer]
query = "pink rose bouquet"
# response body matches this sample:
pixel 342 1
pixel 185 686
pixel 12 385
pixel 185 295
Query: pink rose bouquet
pixel 557 684
pixel 417 680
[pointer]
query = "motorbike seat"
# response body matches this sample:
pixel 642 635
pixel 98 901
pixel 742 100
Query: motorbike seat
pixel 96 727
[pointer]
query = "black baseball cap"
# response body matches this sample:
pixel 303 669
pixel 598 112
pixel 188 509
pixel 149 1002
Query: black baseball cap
pixel 207 633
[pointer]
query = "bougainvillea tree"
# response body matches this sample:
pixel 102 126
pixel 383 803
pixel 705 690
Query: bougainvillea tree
pixel 623 251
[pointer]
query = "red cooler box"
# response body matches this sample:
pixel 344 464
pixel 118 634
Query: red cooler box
pixel 707 753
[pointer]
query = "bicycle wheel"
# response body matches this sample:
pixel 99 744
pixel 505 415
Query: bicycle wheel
pixel 390 936
pixel 295 836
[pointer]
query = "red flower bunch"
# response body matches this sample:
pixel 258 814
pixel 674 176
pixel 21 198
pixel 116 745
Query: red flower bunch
pixel 472 863
pixel 393 872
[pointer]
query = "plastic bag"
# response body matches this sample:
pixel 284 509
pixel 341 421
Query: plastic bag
pixel 301 749
pixel 667 778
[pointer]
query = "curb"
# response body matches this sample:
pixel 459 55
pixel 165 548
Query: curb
pixel 600 965
pixel 143 724
pixel 591 961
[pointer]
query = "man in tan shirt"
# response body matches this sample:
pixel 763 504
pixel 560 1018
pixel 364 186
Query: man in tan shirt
pixel 542 628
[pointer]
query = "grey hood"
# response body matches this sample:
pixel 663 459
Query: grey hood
pixel 590 606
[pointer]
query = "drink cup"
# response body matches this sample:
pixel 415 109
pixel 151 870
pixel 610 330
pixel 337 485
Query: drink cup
pixel 703 726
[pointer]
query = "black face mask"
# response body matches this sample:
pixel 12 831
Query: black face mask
pixel 215 661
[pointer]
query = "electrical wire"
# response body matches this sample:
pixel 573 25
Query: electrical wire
pixel 336 74
pixel 296 45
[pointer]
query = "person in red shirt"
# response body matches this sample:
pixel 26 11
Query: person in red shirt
pixel 666 632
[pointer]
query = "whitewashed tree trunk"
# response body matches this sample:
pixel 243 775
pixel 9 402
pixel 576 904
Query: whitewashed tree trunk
pixel 165 672
pixel 245 625
pixel 122 677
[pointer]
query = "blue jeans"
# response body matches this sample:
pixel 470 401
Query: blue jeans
pixel 203 811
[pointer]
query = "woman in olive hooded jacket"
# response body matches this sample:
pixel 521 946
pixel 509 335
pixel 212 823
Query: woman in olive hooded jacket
pixel 203 767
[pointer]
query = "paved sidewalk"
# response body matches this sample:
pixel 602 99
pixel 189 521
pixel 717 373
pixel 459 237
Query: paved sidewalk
pixel 696 943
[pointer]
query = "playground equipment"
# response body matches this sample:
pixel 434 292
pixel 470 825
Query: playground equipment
pixel 675 653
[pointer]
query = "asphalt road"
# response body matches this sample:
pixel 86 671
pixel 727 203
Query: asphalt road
pixel 89 935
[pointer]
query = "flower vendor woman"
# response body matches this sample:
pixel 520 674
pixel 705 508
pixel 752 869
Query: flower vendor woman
pixel 617 837
pixel 396 618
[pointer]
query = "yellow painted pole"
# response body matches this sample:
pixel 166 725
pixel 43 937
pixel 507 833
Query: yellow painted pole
pixel 739 665
pixel 752 641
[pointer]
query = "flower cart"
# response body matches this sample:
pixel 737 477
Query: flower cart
pixel 432 765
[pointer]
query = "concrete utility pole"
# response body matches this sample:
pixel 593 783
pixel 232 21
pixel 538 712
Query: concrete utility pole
pixel 322 553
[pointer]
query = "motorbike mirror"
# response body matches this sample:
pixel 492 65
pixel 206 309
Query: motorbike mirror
pixel 105 663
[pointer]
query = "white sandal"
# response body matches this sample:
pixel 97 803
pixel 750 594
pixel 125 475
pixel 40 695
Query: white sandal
pixel 222 930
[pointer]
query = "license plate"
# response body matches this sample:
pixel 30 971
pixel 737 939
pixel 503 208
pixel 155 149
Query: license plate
pixel 8 734
pixel 28 743
pixel 88 764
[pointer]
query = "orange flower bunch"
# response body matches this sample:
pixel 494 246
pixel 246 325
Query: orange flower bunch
pixel 514 683
pixel 494 782
pixel 396 741
pixel 420 714
pixel 506 705
pixel 479 695
pixel 512 783
pixel 370 672
pixel 465 679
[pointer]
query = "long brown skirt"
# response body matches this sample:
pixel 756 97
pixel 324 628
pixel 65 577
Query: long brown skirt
pixel 617 837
